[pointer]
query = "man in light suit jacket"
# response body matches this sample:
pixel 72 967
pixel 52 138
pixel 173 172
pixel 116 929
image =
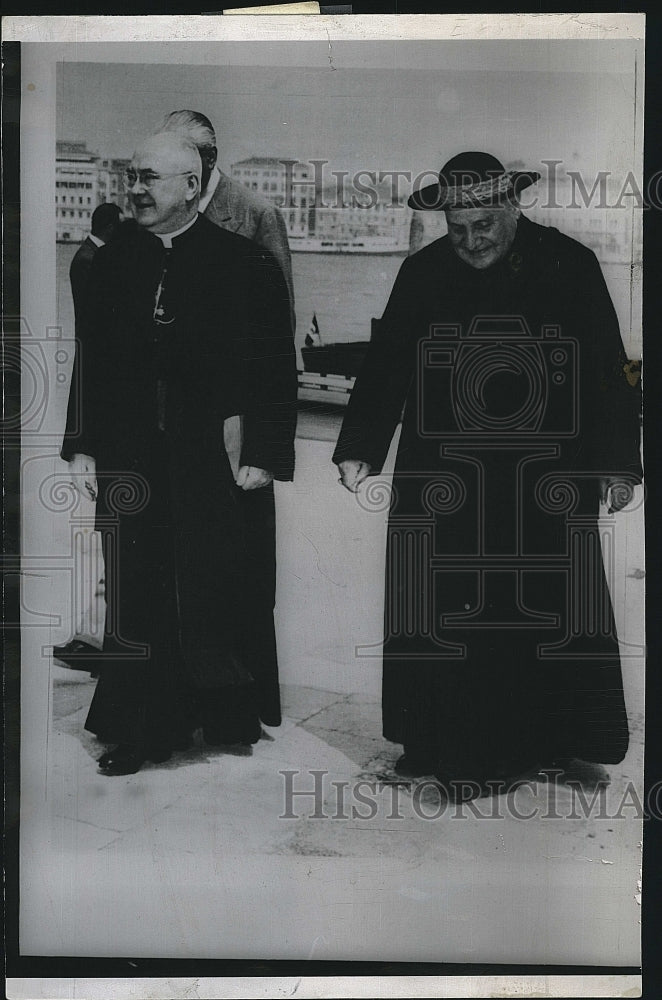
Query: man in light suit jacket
pixel 231 205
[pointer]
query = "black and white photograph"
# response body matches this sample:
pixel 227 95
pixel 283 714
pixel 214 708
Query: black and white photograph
pixel 332 487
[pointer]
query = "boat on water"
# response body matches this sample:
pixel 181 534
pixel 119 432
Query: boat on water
pixel 332 366
pixel 339 358
pixel 365 245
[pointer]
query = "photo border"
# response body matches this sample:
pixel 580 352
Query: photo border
pixel 109 969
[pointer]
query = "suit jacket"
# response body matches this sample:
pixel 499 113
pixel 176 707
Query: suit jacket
pixel 79 273
pixel 235 207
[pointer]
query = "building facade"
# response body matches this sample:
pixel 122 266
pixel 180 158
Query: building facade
pixel 111 187
pixel 366 219
pixel 332 218
pixel 83 180
pixel 289 184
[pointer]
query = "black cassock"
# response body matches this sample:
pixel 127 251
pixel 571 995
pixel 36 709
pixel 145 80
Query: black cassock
pixel 171 344
pixel 500 643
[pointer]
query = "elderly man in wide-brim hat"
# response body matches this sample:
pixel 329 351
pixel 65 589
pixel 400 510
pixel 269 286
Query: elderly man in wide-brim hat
pixel 501 343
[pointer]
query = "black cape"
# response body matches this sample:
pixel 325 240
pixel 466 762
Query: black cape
pixel 499 634
pixel 148 402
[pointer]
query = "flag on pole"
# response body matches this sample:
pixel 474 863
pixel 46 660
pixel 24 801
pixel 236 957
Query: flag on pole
pixel 314 338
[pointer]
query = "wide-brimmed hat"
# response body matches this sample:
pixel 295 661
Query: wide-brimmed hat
pixel 472 180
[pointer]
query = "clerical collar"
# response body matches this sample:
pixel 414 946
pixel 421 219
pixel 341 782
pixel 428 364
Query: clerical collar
pixel 212 184
pixel 95 239
pixel 167 238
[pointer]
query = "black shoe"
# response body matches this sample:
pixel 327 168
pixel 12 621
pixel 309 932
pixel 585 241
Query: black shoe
pixel 79 655
pixel 127 758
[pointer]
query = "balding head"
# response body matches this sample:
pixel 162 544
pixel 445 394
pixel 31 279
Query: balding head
pixel 166 188
pixel 173 149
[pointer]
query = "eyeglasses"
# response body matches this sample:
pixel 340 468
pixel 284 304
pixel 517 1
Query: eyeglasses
pixel 147 178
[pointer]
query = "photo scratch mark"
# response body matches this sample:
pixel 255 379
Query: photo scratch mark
pixel 336 583
pixel 330 52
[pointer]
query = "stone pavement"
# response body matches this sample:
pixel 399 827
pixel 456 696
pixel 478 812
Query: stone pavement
pixel 205 856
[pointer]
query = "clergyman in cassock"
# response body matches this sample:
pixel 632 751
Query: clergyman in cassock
pixel 501 343
pixel 186 325
pixel 234 207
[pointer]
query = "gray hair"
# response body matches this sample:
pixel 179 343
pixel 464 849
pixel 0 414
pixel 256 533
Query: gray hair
pixel 194 125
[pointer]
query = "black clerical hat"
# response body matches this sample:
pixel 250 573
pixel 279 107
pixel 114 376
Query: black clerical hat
pixel 472 180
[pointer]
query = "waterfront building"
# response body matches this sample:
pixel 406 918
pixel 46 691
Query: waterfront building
pixel 338 217
pixel 76 191
pixel 110 183
pixel 366 218
pixel 83 180
pixel 289 184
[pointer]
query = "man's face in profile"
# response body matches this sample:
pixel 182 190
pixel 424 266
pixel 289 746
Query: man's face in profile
pixel 482 236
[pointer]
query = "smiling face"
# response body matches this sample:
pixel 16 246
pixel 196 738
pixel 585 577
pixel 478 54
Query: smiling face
pixel 482 236
pixel 172 167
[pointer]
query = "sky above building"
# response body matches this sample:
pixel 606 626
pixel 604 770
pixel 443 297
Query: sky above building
pixel 368 106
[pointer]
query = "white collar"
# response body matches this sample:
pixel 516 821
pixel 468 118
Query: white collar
pixel 212 184
pixel 167 238
pixel 95 239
